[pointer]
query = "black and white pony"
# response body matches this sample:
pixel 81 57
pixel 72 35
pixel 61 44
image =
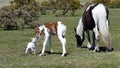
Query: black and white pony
pixel 94 18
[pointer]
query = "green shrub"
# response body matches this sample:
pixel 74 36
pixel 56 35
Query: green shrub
pixel 115 4
pixel 109 3
pixel 106 2
pixel 45 3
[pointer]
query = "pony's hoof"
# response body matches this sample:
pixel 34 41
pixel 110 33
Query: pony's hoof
pixel 34 53
pixel 92 48
pixel 79 46
pixel 40 55
pixel 109 50
pixel 65 54
pixel 52 52
pixel 96 50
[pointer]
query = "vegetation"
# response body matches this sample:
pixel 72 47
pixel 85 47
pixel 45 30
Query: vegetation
pixel 115 4
pixel 27 10
pixel 64 5
pixel 7 18
pixel 109 3
pixel 21 13
pixel 13 44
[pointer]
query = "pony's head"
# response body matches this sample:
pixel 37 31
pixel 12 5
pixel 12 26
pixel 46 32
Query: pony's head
pixel 79 33
pixel 39 31
pixel 79 39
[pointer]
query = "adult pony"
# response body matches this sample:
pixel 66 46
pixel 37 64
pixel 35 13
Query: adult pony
pixel 50 29
pixel 94 18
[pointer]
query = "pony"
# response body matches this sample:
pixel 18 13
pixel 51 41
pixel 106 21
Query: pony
pixel 49 29
pixel 95 19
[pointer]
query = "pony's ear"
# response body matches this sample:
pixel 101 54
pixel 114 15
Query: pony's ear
pixel 75 29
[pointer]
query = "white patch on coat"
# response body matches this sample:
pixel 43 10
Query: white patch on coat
pixel 31 46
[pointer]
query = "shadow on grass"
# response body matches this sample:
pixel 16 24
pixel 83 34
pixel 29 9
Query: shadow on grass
pixel 48 52
pixel 101 49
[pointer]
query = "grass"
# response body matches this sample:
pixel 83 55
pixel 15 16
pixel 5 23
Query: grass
pixel 13 44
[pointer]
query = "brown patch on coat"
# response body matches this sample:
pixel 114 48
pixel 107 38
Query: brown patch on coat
pixel 88 21
pixel 36 31
pixel 52 27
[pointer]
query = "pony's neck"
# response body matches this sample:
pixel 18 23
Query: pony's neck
pixel 79 29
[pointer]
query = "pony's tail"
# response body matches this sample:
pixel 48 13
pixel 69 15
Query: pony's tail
pixel 104 30
pixel 63 28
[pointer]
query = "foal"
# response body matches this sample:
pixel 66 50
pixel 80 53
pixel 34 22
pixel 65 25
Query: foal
pixel 49 29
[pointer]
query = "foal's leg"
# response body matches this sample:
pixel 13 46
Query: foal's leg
pixel 95 30
pixel 49 41
pixel 93 39
pixel 26 50
pixel 44 44
pixel 34 50
pixel 63 41
pixel 88 39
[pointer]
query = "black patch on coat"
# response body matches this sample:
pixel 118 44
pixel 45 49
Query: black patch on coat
pixel 63 36
pixel 79 39
pixel 107 11
pixel 87 19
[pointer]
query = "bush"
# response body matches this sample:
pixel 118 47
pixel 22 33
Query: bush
pixel 109 3
pixel 27 11
pixel 45 3
pixel 64 5
pixel 105 2
pixel 28 14
pixel 7 18
pixel 115 4
pixel 75 4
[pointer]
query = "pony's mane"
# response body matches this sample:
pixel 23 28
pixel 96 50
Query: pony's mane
pixel 92 5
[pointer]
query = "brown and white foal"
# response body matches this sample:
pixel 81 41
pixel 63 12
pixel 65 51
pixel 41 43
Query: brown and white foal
pixel 49 29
